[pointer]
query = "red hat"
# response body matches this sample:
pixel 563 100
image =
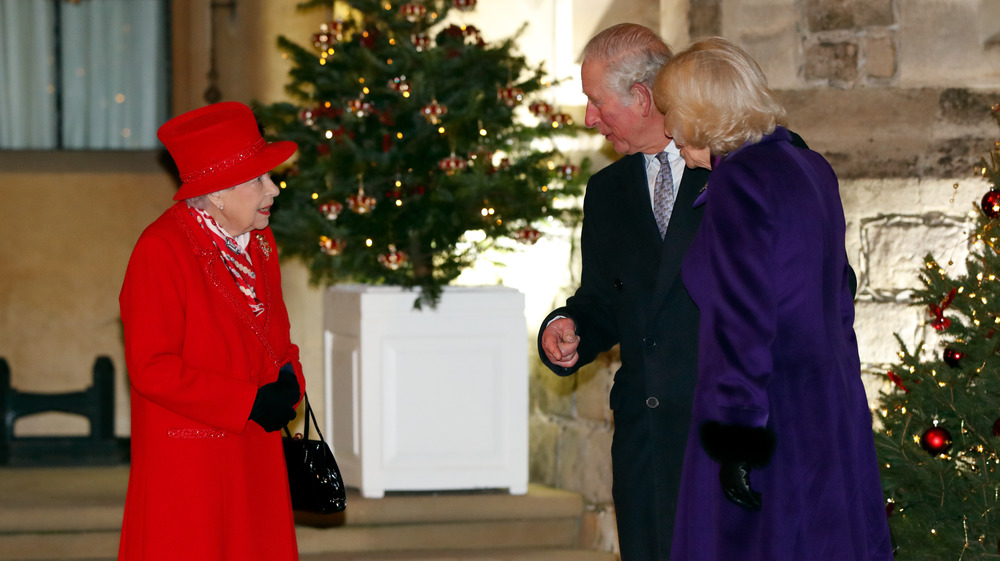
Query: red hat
pixel 219 146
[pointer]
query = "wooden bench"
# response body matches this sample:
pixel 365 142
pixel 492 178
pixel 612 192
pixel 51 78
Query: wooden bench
pixel 96 404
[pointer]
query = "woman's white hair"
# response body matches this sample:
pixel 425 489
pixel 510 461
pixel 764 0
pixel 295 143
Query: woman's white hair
pixel 714 95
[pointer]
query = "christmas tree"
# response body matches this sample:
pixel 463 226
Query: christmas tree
pixel 939 436
pixel 420 145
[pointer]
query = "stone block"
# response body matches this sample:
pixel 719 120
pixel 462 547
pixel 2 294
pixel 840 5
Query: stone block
pixel 704 18
pixel 877 324
pixel 879 57
pixel 598 529
pixel 940 44
pixel 889 132
pixel 543 436
pixel 834 62
pixel 584 461
pixel 594 387
pixel 894 247
pixel 548 391
pixel 829 15
pixel 770 30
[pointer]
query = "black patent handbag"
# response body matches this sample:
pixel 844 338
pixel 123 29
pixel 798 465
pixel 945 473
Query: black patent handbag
pixel 313 476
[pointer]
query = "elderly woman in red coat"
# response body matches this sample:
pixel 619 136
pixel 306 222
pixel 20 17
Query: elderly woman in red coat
pixel 214 375
pixel 780 463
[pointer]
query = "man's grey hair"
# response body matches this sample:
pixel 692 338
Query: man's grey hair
pixel 633 54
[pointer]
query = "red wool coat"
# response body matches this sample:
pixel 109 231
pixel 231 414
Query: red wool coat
pixel 205 483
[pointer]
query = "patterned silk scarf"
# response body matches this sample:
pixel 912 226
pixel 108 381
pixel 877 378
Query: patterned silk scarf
pixel 234 255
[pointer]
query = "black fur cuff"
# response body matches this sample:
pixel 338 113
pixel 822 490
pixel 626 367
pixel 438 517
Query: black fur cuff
pixel 736 443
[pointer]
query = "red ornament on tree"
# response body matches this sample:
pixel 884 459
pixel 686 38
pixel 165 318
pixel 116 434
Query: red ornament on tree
pixel 527 235
pixel 394 259
pixel 568 171
pixel 412 12
pixel 996 427
pixel 896 379
pixel 401 85
pixel 329 34
pixel 421 41
pixel 940 323
pixel 361 203
pixel 452 163
pixel 953 357
pixel 991 203
pixel 935 440
pixel 331 246
pixel 331 210
pixel 560 120
pixel 540 109
pixel 367 38
pixel 433 111
pixel 511 95
pixel 360 107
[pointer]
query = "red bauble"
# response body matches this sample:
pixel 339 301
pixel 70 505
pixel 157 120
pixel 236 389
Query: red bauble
pixel 935 440
pixel 941 323
pixel 953 357
pixel 991 203
pixel 996 427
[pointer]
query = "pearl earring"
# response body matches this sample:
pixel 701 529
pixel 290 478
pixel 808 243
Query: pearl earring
pixel 220 207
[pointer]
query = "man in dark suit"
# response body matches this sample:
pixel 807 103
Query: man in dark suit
pixel 631 293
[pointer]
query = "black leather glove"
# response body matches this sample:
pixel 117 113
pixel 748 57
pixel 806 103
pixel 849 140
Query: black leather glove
pixel 735 479
pixel 289 383
pixel 274 405
pixel 738 449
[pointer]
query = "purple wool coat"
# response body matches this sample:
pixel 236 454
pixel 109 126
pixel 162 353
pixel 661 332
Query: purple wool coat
pixel 777 349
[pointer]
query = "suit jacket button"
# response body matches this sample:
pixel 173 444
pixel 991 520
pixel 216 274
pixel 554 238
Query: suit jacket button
pixel 649 342
pixel 652 402
pixel 618 284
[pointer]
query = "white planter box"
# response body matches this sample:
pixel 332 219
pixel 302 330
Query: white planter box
pixel 421 400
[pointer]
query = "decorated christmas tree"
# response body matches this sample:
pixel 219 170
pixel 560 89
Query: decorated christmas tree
pixel 939 434
pixel 420 145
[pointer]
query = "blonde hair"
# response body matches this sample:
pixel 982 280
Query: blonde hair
pixel 713 94
pixel 632 53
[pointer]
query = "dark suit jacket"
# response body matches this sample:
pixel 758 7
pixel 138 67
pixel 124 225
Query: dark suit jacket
pixel 631 294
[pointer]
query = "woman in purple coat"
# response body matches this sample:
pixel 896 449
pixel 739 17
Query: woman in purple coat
pixel 780 465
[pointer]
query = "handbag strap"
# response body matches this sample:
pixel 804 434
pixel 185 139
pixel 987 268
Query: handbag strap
pixel 308 415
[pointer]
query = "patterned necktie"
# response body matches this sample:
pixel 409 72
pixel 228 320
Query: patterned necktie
pixel 663 194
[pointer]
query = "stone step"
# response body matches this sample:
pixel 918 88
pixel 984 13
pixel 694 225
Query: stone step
pixel 75 514
pixel 512 554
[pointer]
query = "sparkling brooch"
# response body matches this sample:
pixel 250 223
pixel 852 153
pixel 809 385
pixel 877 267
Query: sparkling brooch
pixel 265 247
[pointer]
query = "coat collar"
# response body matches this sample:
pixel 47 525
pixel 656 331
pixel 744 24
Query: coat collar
pixel 215 273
